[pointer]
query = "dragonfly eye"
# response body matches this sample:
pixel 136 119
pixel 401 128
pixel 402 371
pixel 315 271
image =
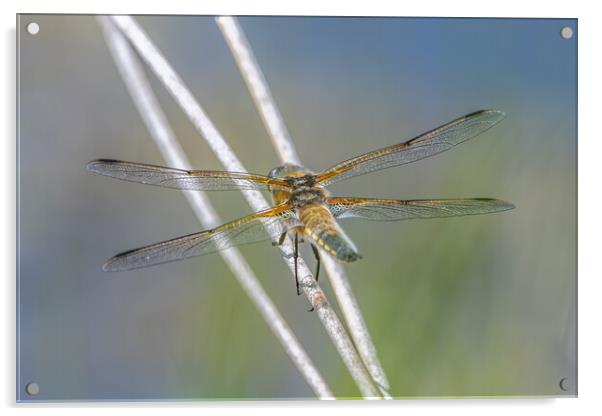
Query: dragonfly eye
pixel 276 172
pixel 287 170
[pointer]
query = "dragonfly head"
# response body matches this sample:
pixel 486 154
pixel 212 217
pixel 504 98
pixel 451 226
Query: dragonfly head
pixel 294 175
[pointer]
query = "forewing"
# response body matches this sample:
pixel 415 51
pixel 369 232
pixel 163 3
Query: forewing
pixel 425 145
pixel 395 210
pixel 254 228
pixel 195 180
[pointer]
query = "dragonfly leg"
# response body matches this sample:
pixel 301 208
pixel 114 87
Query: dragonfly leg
pixel 296 255
pixel 280 240
pixel 317 255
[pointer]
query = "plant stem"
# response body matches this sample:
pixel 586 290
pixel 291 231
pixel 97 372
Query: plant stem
pixel 176 87
pixel 285 149
pixel 145 101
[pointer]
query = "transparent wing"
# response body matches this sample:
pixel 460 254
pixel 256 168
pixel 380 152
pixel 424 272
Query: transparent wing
pixel 425 145
pixel 395 210
pixel 196 180
pixel 261 226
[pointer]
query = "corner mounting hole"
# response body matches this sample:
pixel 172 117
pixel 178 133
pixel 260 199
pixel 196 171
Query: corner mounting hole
pixel 566 32
pixel 33 28
pixel 32 389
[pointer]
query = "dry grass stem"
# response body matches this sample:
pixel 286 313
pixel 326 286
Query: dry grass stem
pixel 176 87
pixel 141 92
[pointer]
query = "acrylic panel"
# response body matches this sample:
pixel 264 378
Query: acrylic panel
pixel 456 305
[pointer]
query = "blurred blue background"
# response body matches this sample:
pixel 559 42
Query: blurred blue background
pixel 470 306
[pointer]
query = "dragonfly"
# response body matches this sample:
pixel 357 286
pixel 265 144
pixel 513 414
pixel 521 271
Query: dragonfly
pixel 303 208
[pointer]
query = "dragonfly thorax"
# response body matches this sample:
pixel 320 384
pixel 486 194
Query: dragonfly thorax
pixel 306 196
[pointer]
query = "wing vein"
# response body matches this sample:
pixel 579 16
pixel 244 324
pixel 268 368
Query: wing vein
pixel 428 144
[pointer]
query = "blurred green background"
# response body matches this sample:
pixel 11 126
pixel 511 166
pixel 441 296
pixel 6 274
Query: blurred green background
pixel 468 306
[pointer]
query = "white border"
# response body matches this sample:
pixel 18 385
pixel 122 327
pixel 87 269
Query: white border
pixel 590 286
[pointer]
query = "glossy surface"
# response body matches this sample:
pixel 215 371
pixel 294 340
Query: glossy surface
pixel 479 305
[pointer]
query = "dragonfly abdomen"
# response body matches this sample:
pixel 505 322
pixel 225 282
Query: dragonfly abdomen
pixel 321 227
